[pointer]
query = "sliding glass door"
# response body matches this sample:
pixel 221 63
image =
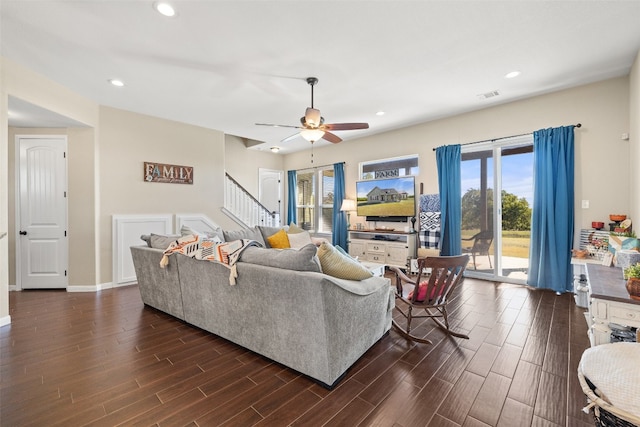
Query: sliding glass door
pixel 497 195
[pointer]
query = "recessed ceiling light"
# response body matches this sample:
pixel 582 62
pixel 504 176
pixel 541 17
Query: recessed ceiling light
pixel 380 113
pixel 116 82
pixel 512 74
pixel 164 8
pixel 275 149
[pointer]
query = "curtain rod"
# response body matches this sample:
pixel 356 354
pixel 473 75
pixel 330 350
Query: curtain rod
pixel 504 137
pixel 318 167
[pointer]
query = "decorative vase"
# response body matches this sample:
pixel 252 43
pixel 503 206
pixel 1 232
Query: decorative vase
pixel 633 287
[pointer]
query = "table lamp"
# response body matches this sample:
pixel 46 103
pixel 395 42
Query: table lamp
pixel 348 205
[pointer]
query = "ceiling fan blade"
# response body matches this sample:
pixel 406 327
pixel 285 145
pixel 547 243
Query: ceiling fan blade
pixel 331 137
pixel 279 126
pixel 290 137
pixel 346 126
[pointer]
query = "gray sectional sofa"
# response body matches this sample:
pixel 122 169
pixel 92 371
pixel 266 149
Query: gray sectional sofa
pixel 316 324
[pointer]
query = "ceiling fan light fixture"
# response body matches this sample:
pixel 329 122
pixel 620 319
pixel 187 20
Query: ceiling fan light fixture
pixel 312 135
pixel 312 117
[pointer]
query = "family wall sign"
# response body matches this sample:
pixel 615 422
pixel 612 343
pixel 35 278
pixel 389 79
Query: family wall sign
pixel 174 174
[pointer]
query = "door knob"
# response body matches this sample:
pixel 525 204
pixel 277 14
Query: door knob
pixel 23 233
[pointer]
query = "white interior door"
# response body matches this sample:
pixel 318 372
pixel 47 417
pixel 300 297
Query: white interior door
pixel 270 189
pixel 42 226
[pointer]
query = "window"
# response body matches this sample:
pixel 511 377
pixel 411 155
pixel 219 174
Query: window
pixel 315 199
pixel 390 168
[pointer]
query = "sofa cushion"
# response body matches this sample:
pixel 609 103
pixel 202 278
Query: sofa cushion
pixel 303 259
pixel 247 233
pixel 279 240
pixel 299 240
pixel 341 266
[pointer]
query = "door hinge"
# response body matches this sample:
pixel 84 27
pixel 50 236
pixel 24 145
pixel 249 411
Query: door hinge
pixel 65 194
pixel 65 233
pixel 64 154
pixel 65 273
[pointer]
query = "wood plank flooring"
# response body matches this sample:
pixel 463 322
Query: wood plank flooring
pixel 104 359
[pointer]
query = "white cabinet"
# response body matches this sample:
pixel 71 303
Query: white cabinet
pixel 609 303
pixel 383 247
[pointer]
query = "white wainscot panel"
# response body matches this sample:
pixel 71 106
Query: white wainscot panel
pixel 198 222
pixel 127 230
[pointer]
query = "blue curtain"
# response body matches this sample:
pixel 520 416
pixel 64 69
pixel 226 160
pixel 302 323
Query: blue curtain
pixel 340 234
pixel 291 197
pixel 553 210
pixel 448 159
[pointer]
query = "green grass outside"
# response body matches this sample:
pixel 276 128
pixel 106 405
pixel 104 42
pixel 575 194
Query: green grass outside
pixel 514 243
pixel 387 209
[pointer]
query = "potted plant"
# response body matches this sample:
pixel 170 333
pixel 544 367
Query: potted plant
pixel 633 280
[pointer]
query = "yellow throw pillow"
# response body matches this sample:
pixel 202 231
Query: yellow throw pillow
pixel 280 240
pixel 341 266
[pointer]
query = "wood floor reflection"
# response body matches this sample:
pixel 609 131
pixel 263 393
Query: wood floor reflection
pixel 104 359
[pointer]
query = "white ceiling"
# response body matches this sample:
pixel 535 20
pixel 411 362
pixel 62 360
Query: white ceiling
pixel 226 65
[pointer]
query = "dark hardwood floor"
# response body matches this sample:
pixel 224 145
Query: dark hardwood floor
pixel 104 359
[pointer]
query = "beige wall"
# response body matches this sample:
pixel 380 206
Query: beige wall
pixel 243 164
pixel 634 141
pixel 601 155
pixel 4 200
pixel 127 140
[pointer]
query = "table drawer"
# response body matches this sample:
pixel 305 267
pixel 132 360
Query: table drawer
pixel 625 315
pixel 379 258
pixel 376 247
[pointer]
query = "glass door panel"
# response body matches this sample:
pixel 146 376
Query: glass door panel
pixel 517 201
pixel 497 198
pixel 477 211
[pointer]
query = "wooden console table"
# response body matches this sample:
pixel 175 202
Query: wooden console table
pixel 609 302
pixel 383 246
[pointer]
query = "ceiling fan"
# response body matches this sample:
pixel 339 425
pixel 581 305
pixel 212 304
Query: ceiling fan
pixel 313 127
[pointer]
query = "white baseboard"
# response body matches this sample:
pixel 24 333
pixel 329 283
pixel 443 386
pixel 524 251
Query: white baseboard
pixel 98 287
pixel 4 321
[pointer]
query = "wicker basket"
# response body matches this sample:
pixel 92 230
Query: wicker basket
pixel 604 413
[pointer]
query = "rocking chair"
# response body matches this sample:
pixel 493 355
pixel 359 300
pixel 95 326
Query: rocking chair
pixel 429 291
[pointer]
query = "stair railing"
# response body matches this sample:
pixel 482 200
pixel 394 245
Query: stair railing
pixel 245 209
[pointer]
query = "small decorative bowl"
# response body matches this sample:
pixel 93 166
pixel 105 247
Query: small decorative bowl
pixel 617 217
pixel 597 225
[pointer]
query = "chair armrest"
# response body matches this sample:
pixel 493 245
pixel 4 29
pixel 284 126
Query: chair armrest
pixel 400 278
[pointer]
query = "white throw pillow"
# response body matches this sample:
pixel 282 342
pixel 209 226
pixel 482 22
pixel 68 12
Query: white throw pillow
pixel 299 240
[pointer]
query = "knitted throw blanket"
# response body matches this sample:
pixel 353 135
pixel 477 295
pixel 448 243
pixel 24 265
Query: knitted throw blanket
pixel 194 246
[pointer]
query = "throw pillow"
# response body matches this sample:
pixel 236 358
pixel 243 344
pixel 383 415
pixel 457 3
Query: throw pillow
pixel 294 229
pixel 303 259
pixel 299 240
pixel 279 240
pixel 422 292
pixel 158 241
pixel 147 239
pixel 268 231
pixel 248 233
pixel 338 265
pixel 185 230
pixel 216 233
